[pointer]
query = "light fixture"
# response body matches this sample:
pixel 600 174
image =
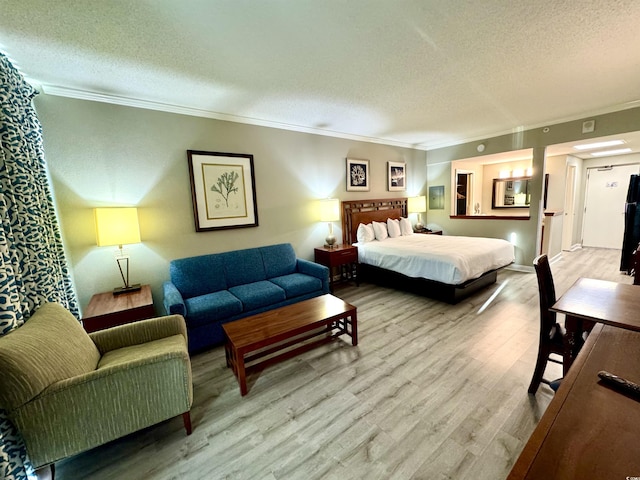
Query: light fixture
pixel 118 226
pixel 330 212
pixel 606 153
pixel 480 148
pixel 591 146
pixel 518 172
pixel 417 205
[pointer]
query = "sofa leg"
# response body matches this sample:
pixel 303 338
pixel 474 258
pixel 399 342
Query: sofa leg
pixel 186 418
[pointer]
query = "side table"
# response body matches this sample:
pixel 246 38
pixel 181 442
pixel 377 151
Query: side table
pixel 344 257
pixel 108 310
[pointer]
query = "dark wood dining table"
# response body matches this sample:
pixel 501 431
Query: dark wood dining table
pixel 589 430
pixel 590 301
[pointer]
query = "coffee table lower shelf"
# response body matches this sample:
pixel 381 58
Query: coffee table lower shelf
pixel 255 341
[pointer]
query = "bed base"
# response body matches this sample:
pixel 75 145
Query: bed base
pixel 437 290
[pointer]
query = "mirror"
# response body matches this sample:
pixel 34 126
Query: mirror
pixel 511 193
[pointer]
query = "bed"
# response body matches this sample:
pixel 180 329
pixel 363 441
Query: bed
pixel 446 268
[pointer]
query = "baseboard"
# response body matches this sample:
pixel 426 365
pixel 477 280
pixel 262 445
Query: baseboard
pixel 520 268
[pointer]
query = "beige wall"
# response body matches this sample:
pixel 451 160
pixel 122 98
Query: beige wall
pixel 107 155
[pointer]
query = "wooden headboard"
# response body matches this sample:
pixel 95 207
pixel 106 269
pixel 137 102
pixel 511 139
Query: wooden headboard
pixel 355 212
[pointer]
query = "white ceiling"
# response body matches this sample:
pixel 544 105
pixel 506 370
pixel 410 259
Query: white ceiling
pixel 422 73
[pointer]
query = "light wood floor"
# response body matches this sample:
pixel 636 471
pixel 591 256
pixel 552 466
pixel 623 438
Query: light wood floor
pixel 432 391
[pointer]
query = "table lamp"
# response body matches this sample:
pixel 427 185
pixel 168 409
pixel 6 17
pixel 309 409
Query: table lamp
pixel 118 226
pixel 330 212
pixel 417 205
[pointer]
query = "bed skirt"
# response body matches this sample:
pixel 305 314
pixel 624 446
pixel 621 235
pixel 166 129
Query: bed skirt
pixel 439 291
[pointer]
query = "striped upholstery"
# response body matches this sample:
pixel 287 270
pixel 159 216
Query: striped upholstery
pixel 31 359
pixel 141 376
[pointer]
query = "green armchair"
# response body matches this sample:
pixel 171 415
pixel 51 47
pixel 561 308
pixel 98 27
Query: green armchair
pixel 67 391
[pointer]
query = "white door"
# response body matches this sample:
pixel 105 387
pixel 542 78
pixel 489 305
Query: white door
pixel 605 200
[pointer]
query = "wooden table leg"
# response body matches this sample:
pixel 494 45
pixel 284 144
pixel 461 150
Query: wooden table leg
pixel 354 328
pixel 572 341
pixel 241 372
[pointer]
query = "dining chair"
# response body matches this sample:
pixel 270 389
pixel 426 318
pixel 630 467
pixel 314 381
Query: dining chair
pixel 551 332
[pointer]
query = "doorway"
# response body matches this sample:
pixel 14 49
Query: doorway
pixel 464 182
pixel 606 194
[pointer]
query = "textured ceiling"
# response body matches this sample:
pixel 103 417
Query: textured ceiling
pixel 423 73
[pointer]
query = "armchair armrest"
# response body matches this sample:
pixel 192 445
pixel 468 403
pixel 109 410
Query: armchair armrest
pixel 315 270
pixel 173 301
pixel 139 332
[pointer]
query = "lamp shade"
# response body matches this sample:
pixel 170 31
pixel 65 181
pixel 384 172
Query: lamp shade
pixel 116 226
pixel 417 204
pixel 330 210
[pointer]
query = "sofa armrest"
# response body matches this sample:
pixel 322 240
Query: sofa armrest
pixel 173 301
pixel 139 332
pixel 316 270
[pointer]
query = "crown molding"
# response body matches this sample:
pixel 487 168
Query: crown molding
pixel 197 112
pixel 524 128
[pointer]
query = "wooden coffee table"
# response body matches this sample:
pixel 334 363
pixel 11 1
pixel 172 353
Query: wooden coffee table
pixel 270 337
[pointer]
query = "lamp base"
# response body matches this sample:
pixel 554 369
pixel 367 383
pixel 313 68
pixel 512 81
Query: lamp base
pixel 130 288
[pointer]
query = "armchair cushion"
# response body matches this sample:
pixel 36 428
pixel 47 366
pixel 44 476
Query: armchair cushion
pixel 30 359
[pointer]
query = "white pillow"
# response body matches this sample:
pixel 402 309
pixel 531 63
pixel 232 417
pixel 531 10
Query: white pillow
pixel 365 233
pixel 405 226
pixel 393 226
pixel 380 229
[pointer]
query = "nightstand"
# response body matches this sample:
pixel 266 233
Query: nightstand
pixel 343 257
pixel 108 310
pixel 429 232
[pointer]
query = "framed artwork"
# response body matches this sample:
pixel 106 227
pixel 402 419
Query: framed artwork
pixel 436 198
pixel 397 176
pixel 223 189
pixel 357 175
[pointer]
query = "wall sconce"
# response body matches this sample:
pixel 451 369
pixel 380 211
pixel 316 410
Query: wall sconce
pixel 330 212
pixel 417 205
pixel 118 226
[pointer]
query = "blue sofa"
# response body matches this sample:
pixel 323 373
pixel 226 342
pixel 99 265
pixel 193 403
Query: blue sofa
pixel 209 290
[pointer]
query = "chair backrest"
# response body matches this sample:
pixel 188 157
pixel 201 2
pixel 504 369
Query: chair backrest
pixel 547 295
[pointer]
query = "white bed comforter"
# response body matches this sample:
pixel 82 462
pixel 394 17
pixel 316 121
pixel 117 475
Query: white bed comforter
pixel 446 259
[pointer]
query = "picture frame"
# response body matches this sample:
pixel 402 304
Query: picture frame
pixel 397 176
pixel 357 175
pixel 223 190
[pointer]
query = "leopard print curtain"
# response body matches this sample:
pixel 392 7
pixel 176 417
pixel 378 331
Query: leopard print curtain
pixel 33 269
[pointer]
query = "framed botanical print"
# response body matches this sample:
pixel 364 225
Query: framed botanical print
pixel 223 190
pixel 397 176
pixel 357 175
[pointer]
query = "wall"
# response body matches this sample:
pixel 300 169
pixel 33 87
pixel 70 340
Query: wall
pixel 526 232
pixel 107 155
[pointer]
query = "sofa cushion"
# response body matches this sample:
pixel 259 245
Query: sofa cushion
pixel 278 260
pixel 297 284
pixel 47 348
pixel 195 276
pixel 258 294
pixel 212 307
pixel 243 266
